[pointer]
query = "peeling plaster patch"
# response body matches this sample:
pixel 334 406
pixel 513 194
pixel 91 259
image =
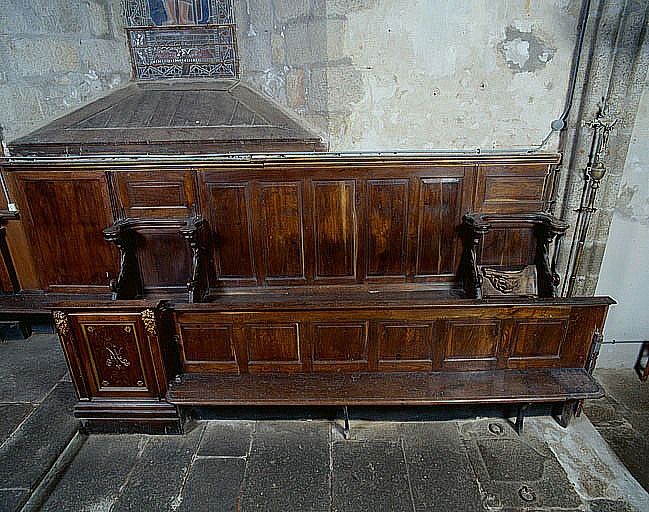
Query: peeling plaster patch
pixel 524 50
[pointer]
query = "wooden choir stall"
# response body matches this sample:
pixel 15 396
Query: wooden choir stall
pixel 215 256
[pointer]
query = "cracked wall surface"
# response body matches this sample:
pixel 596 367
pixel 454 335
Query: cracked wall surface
pixel 55 56
pixel 413 74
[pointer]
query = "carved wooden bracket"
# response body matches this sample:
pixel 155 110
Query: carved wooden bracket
pixel 547 230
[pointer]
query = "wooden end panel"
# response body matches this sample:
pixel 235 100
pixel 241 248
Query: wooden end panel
pixel 165 262
pixel 387 228
pixel 157 194
pixel 335 230
pixel 512 189
pixel 539 343
pixel 115 354
pixel 229 213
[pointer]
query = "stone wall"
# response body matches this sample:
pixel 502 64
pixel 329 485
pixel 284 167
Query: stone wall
pixel 624 274
pixel 413 74
pixel 56 55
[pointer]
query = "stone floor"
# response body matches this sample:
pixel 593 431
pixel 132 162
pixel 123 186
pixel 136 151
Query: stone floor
pixel 394 463
pixel 622 418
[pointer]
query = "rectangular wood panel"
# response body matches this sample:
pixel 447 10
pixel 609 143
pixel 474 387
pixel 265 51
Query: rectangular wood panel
pixel 334 226
pixel 207 343
pixel 387 206
pixel 339 345
pixel 152 194
pixel 228 213
pixel 281 206
pixel 64 218
pixel 471 344
pixel 438 243
pixel 511 188
pixel 273 347
pixel 508 246
pixel 405 345
pixel 115 357
pixel 538 339
pixel 164 261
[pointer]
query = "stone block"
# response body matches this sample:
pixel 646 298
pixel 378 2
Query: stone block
pixel 30 368
pixel 97 17
pixel 40 16
pixel 317 99
pixel 255 51
pixel 226 439
pixel 288 467
pixel 291 9
pixel 306 41
pixel 98 472
pixel 11 415
pixel 39 57
pixel 29 453
pixel 278 48
pixel 104 56
pixel 344 87
pixel 225 475
pixel 295 88
pixel 13 499
pixel 370 475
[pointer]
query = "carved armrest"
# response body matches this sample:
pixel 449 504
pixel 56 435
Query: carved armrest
pixel 547 229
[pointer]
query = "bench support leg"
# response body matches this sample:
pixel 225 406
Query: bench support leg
pixel 520 417
pixel 346 431
pixel 565 412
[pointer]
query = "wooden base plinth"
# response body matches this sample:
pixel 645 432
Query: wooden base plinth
pixel 111 416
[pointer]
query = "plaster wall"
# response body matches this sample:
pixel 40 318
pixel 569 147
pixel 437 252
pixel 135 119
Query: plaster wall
pixel 624 273
pixel 414 74
pixel 56 55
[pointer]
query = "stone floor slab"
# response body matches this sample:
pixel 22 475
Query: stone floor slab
pixel 517 471
pixel 12 415
pixel 100 470
pixel 370 475
pixel 28 454
pixel 156 478
pixel 12 499
pixel 227 439
pixel 440 473
pixel 288 467
pixel 30 368
pixel 214 484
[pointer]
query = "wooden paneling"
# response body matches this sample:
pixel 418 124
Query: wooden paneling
pixel 228 212
pixel 155 194
pixel 164 261
pixel 208 347
pixel 273 346
pixel 335 229
pixel 387 206
pixel 440 213
pixel 115 355
pixel 339 345
pixel 508 246
pixel 537 342
pixel 64 215
pixel 471 344
pixel 512 188
pixel 405 346
pixel 281 206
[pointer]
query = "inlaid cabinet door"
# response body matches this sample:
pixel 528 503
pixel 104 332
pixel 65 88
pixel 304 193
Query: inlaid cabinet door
pixel 116 355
